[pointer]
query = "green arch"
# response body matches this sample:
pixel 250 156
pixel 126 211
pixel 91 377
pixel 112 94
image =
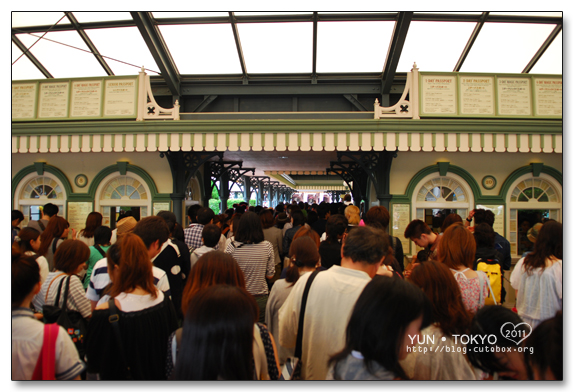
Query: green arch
pixel 435 169
pixel 129 168
pixel 47 168
pixel 556 174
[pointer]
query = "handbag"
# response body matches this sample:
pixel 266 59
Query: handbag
pixel 72 321
pixel 46 365
pixel 291 369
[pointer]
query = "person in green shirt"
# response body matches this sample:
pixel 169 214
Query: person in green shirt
pixel 102 237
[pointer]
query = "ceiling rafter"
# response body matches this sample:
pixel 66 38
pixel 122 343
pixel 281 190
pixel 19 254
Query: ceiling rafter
pixel 153 38
pixel 239 46
pixel 394 51
pixel 314 49
pixel 89 43
pixel 31 57
pixel 471 41
pixel 543 48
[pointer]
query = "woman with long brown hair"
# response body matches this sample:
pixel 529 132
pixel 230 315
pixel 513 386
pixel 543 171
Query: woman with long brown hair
pixel 538 277
pixel 457 251
pixel 135 347
pixel 93 221
pixel 52 237
pixel 450 318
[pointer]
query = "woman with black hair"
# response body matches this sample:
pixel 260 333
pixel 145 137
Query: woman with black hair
pixel 497 331
pixel 544 354
pixel 304 258
pixel 387 316
pixel 217 337
pixel 330 249
pixel 255 256
pixel 538 277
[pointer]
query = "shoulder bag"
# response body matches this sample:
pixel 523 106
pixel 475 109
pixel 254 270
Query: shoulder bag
pixel 46 365
pixel 292 367
pixel 71 320
pixel 114 320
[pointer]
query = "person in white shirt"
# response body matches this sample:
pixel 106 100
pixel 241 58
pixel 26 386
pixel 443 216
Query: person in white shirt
pixel 28 332
pixel 331 299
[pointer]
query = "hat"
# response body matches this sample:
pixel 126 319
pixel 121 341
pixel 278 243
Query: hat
pixel 534 231
pixel 125 225
pixel 282 217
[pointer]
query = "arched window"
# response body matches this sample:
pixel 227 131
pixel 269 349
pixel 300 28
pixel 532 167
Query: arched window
pixel 438 196
pixel 34 191
pixel 118 194
pixel 529 201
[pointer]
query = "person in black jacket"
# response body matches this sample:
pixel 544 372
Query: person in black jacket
pixel 330 249
pixel 166 255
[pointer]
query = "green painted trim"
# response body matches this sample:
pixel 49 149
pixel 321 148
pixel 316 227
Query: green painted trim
pixel 506 142
pixel 518 138
pixel 556 174
pixel 251 140
pixel 458 140
pixel 275 138
pixel 113 169
pixel 530 142
pixel 299 140
pixel 169 141
pixel 203 140
pixel 145 141
pixel 409 140
pixel 227 140
pixel 433 140
pixel 435 169
pixel 48 142
pixel 47 168
pixel 482 141
pixel 290 126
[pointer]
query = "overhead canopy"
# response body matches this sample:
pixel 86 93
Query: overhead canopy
pixel 184 45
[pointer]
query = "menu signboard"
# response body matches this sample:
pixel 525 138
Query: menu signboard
pixel 439 94
pixel 120 97
pixel 548 97
pixel 53 100
pixel 476 95
pixel 23 100
pixel 514 96
pixel 86 98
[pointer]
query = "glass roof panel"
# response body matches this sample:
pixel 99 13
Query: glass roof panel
pixel 202 49
pixel 187 14
pixel 123 45
pixel 86 17
pixel 21 19
pixel 23 69
pixel 552 60
pixel 528 13
pixel 421 45
pixel 273 13
pixel 64 54
pixel 277 47
pixel 349 46
pixel 505 47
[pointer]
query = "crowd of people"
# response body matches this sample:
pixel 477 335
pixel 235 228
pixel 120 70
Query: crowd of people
pixel 238 295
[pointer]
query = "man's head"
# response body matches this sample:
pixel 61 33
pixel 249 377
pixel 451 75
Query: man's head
pixel 205 215
pixel 193 212
pixel 49 210
pixel 484 216
pixel 154 231
pixel 211 235
pixel 365 244
pixel 17 217
pixel 420 233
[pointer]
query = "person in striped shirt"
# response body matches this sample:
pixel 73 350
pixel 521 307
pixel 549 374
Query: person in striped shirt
pixel 255 256
pixel 69 260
